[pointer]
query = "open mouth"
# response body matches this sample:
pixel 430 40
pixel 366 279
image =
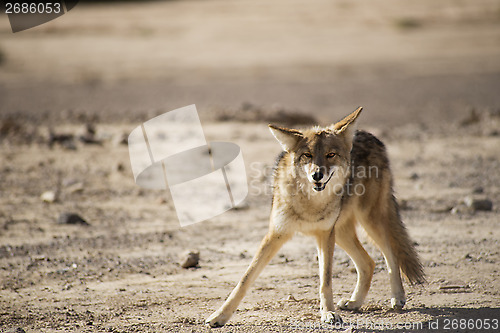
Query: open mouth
pixel 318 187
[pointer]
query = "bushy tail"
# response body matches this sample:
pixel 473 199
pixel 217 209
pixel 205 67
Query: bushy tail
pixel 404 248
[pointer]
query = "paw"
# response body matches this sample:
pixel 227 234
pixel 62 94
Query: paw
pixel 330 317
pixel 345 304
pixel 397 304
pixel 217 319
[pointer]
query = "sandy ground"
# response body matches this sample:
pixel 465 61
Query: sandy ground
pixel 419 69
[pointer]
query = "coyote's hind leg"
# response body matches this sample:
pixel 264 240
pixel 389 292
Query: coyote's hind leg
pixel 381 237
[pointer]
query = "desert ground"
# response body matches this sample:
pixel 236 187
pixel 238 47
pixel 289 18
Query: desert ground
pixel 427 74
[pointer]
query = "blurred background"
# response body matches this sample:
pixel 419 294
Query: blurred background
pixel 424 61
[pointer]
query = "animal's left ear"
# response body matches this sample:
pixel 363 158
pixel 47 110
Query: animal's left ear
pixel 346 126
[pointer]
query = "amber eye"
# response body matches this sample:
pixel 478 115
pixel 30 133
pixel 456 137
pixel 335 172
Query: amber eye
pixel 330 155
pixel 308 155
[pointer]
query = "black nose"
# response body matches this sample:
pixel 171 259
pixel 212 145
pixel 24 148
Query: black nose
pixel 317 176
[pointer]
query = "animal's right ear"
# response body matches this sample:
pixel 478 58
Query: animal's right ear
pixel 287 137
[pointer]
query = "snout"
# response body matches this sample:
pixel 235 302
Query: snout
pixel 318 184
pixel 320 179
pixel 317 176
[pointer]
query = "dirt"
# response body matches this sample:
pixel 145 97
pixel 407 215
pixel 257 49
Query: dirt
pixel 427 74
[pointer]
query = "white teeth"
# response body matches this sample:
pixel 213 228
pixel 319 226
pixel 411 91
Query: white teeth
pixel 319 188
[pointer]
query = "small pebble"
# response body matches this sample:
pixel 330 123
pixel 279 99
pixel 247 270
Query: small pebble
pixel 71 218
pixel 49 196
pixel 478 190
pixel 75 188
pixel 190 259
pixel 479 204
pixel 461 209
pixel 120 167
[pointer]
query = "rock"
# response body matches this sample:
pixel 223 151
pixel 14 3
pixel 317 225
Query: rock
pixel 479 204
pixel 49 196
pixel 71 218
pixel 190 259
pixel 414 176
pixel 64 139
pixel 69 181
pixel 441 208
pixel 89 140
pixel 120 167
pixel 121 139
pixel 68 145
pixel 89 137
pixel 456 287
pixel 478 190
pixel 494 133
pixel 461 209
pixel 75 188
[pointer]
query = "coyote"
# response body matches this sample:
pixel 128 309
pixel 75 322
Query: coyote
pixel 326 180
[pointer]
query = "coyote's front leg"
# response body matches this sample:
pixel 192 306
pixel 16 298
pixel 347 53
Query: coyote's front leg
pixel 326 244
pixel 271 243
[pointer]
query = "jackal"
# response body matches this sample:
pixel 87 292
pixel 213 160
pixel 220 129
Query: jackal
pixel 326 180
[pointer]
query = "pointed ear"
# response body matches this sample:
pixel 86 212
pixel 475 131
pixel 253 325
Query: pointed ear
pixel 287 137
pixel 346 126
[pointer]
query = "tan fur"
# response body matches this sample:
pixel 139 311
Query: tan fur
pixel 326 181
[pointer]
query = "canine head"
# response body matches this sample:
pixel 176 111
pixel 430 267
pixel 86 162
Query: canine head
pixel 320 155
